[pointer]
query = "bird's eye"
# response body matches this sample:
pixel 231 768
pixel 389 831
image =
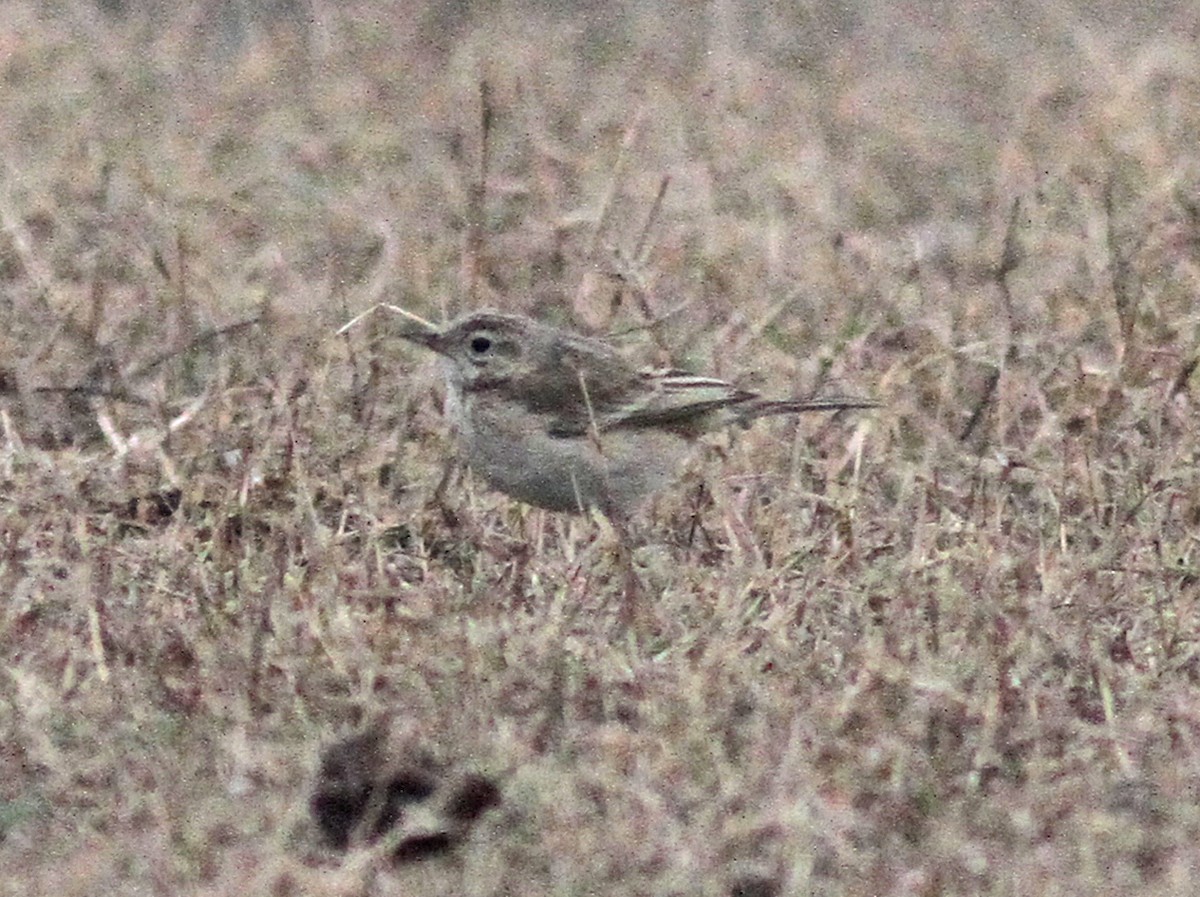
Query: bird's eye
pixel 480 344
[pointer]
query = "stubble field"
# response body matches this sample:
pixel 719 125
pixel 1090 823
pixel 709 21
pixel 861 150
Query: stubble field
pixel 946 647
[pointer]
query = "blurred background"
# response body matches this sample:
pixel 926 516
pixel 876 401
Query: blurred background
pixel 172 169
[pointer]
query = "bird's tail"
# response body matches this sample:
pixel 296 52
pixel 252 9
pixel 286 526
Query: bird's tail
pixel 766 407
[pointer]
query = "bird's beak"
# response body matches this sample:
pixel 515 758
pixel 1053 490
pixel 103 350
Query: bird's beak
pixel 423 335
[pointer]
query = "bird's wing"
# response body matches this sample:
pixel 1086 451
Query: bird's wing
pixel 653 398
pixel 577 383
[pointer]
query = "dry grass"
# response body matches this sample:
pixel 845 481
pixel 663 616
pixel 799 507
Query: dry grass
pixel 947 648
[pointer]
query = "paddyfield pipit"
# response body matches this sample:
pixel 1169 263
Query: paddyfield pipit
pixel 565 422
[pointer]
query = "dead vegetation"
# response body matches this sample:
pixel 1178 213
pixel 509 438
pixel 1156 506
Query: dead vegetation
pixel 947 648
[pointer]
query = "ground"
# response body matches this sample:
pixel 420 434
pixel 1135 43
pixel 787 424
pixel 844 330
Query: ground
pixel 949 646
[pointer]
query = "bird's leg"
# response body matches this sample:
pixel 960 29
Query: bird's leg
pixel 449 515
pixel 636 611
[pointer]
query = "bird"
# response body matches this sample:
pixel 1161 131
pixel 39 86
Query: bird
pixel 565 422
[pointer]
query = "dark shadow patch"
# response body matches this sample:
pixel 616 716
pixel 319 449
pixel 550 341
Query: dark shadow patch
pixel 372 786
